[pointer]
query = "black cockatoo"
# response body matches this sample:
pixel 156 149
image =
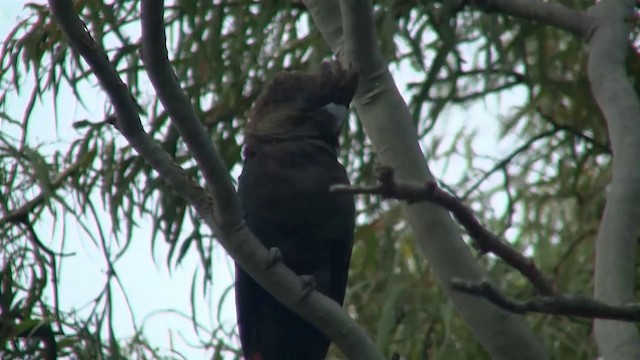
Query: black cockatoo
pixel 290 162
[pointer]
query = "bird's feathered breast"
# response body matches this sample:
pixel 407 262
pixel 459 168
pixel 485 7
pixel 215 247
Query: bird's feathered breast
pixel 291 140
pixel 290 163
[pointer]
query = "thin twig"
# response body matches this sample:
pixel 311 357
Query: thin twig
pixel 507 159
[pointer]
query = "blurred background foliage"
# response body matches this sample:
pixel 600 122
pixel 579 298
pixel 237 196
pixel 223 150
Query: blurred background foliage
pixel 545 194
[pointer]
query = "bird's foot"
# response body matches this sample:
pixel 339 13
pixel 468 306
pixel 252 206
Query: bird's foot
pixel 308 285
pixel 275 257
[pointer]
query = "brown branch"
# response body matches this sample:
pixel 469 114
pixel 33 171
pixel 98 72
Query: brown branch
pixel 483 238
pixel 565 305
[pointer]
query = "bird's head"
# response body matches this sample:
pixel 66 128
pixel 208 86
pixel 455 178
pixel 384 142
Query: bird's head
pixel 298 106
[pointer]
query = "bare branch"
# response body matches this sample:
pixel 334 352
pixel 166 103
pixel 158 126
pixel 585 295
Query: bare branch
pixel 183 115
pixel 485 240
pixel 565 305
pixel 548 13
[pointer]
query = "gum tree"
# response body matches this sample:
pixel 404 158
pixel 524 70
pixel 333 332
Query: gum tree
pixel 564 193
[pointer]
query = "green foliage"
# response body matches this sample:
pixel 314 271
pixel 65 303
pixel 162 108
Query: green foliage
pixel 545 197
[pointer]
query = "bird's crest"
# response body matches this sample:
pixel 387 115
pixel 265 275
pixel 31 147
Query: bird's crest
pixel 293 93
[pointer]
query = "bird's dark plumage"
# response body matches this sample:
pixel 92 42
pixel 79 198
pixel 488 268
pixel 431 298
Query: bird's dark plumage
pixel 290 163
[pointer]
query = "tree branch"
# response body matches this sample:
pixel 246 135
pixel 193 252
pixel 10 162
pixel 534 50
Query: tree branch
pixel 603 147
pixel 548 13
pixel 564 305
pixel 388 124
pixel 223 215
pixel 617 241
pixel 484 240
pixel 183 115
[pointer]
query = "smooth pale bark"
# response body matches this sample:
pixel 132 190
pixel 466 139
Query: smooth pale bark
pixel 388 124
pixel 616 244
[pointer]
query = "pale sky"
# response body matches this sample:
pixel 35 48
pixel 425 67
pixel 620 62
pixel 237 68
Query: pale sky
pixel 150 286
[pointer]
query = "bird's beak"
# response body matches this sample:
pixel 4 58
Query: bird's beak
pixel 339 115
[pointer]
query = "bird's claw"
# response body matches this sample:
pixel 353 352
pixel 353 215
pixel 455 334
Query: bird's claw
pixel 275 257
pixel 308 285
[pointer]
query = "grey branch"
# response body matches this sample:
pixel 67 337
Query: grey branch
pixel 548 13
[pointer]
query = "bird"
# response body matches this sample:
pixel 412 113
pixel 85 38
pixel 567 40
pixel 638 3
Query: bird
pixel 290 162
